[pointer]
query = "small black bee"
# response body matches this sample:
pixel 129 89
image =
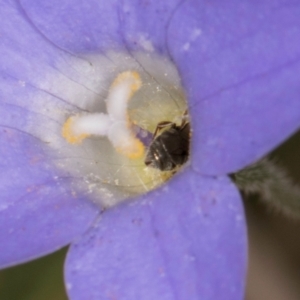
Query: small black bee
pixel 170 149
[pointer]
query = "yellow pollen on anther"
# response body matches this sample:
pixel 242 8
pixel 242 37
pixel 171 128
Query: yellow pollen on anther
pixel 77 128
pixel 124 76
pixel 69 135
pixel 135 151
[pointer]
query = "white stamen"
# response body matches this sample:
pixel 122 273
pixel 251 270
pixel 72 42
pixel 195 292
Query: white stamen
pixel 120 92
pixel 123 139
pixel 96 124
pixel 116 102
pixel 115 124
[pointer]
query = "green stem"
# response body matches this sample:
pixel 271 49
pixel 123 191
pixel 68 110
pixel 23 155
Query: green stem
pixel 272 184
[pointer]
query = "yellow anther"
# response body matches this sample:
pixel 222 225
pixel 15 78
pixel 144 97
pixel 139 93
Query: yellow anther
pixel 135 151
pixel 79 127
pixel 69 135
pixel 129 75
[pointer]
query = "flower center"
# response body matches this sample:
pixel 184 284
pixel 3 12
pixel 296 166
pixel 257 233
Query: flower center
pixel 115 124
pixel 135 135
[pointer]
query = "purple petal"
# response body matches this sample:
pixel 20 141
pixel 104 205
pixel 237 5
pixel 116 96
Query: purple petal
pixel 184 241
pixel 245 88
pixel 101 25
pixel 239 63
pixel 38 212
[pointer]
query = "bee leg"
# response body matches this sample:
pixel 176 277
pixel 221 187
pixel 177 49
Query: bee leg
pixel 185 118
pixel 160 126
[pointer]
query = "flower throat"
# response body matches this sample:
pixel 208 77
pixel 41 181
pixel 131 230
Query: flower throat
pixel 141 136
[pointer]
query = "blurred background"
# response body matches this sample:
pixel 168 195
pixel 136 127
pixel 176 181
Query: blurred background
pixel 274 250
pixel 274 247
pixel 41 279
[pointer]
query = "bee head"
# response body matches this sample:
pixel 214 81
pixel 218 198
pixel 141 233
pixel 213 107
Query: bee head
pixel 156 157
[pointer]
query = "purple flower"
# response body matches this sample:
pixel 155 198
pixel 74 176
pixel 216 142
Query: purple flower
pixel 240 65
